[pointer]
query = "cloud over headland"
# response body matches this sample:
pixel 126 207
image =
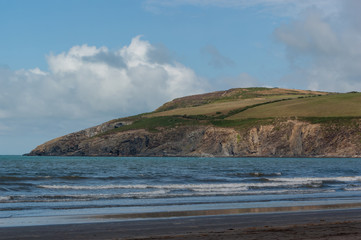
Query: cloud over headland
pixel 321 39
pixel 324 51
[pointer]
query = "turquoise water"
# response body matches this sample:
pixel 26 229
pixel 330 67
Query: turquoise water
pixel 58 186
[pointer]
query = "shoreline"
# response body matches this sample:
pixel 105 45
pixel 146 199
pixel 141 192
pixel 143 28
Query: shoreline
pixel 315 224
pixel 185 156
pixel 232 211
pixel 103 217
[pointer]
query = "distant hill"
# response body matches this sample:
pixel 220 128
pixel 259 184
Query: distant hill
pixel 236 122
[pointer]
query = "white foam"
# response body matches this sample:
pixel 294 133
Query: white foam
pixel 202 187
pixel 77 187
pixel 158 193
pixel 161 193
pixel 5 198
pixel 221 187
pixel 311 179
pixel 288 191
pixel 353 189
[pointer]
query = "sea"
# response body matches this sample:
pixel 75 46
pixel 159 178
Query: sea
pixel 56 190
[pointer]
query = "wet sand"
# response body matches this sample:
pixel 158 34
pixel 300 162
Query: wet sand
pixel 316 224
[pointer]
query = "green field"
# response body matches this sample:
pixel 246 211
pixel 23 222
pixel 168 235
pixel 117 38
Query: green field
pixel 234 94
pixel 223 106
pixel 334 105
pixel 240 110
pixel 210 109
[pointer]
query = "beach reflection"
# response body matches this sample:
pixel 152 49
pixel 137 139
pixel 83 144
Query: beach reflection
pixel 213 212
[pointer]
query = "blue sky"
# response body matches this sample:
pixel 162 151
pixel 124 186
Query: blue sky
pixel 68 65
pixel 34 29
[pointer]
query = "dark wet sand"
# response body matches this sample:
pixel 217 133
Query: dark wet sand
pixel 323 224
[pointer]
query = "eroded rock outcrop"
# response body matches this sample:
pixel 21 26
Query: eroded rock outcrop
pixel 287 138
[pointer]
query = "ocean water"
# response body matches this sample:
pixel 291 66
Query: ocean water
pixel 76 186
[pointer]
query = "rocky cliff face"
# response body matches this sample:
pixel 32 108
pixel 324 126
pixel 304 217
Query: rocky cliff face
pixel 288 138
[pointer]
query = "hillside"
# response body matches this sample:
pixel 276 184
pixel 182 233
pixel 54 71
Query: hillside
pixel 236 122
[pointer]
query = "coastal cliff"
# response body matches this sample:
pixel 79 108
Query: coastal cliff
pixel 216 133
pixel 289 138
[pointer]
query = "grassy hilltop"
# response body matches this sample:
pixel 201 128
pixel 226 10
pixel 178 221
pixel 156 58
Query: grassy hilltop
pixel 248 106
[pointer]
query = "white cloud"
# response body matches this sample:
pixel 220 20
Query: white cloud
pixel 89 81
pixel 310 34
pixel 324 52
pixel 37 71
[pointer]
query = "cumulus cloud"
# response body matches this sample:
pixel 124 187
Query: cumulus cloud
pixel 216 59
pixel 90 81
pixel 324 52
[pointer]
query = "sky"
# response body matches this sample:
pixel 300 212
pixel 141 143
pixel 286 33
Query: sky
pixel 69 65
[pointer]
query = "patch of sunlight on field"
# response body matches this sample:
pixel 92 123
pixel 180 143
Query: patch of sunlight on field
pixel 221 106
pixel 336 105
pixel 209 109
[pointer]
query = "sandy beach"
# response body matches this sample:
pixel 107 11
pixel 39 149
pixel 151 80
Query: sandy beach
pixel 316 224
